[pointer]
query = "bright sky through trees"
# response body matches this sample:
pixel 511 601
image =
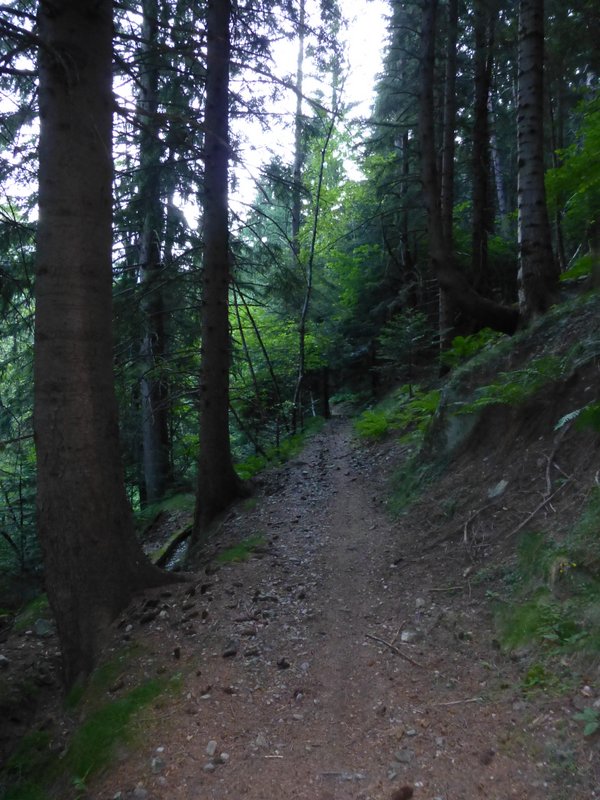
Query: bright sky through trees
pixel 365 36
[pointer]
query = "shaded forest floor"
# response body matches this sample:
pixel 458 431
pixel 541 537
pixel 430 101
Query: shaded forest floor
pixel 346 658
pixel 349 656
pixel 324 648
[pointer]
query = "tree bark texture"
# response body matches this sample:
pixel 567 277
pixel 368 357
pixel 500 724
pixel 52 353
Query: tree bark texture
pixel 449 132
pixel 93 562
pixel 499 182
pixel 218 483
pixel 483 311
pixel 538 273
pixel 154 391
pixel 447 308
pixel 482 215
pixel 299 154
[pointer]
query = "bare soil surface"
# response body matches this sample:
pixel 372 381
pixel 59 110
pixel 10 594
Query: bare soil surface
pixel 349 658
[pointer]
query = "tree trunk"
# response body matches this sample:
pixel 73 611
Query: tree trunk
pixel 449 133
pixel 298 138
pixel 483 311
pixel 218 483
pixel 538 274
pixel 498 173
pixel 447 308
pixel 93 562
pixel 482 214
pixel 154 392
pixel 299 156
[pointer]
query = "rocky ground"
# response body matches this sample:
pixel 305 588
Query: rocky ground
pixel 347 659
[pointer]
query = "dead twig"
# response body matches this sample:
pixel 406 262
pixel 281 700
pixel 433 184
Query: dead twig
pixel 394 649
pixel 539 507
pixel 470 519
pixel 460 702
pixel 399 631
pixel 446 589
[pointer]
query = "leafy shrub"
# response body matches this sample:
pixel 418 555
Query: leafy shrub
pixel 555 600
pixel 372 424
pixel 465 347
pixel 591 717
pixel 407 408
pixel 515 387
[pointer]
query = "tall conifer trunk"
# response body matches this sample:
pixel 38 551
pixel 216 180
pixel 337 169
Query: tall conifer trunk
pixel 93 563
pixel 153 388
pixel 299 157
pixel 485 312
pixel 538 273
pixel 482 217
pixel 218 483
pixel 447 308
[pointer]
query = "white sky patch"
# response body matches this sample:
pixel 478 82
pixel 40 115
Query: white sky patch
pixel 365 37
pixel 367 34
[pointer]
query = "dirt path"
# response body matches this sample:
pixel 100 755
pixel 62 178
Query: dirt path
pixel 285 693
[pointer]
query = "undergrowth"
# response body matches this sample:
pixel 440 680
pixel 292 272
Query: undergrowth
pixel 241 551
pixel 288 448
pixel 408 408
pixel 36 772
pixel 554 601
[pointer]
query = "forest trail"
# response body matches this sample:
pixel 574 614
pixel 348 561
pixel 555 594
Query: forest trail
pixel 289 688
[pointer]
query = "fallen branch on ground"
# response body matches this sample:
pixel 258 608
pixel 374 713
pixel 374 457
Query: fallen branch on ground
pixel 394 649
pixel 460 702
pixel 539 507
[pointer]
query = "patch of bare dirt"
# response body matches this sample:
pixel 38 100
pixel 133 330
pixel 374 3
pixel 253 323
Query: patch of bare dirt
pixel 352 657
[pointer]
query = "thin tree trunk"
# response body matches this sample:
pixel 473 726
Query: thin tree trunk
pixel 297 401
pixel 218 483
pixel 447 309
pixel 153 389
pixel 299 157
pixel 557 130
pixel 93 563
pixel 498 172
pixel 538 273
pixel 298 138
pixel 480 160
pixel 264 350
pixel 449 133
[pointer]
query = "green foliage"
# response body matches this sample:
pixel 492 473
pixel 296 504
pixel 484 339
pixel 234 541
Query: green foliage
pixel 408 409
pixel 465 347
pixel 372 424
pixel 145 517
pixel 93 744
pixel 554 603
pixel 515 387
pixel 538 677
pixel 32 755
pixel 580 268
pixel 591 718
pixel 586 417
pixel 34 610
pixel 403 339
pixel 288 447
pixel 540 619
pixel 409 482
pixel 574 187
pixel 241 551
pixel 25 791
pixel 34 768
